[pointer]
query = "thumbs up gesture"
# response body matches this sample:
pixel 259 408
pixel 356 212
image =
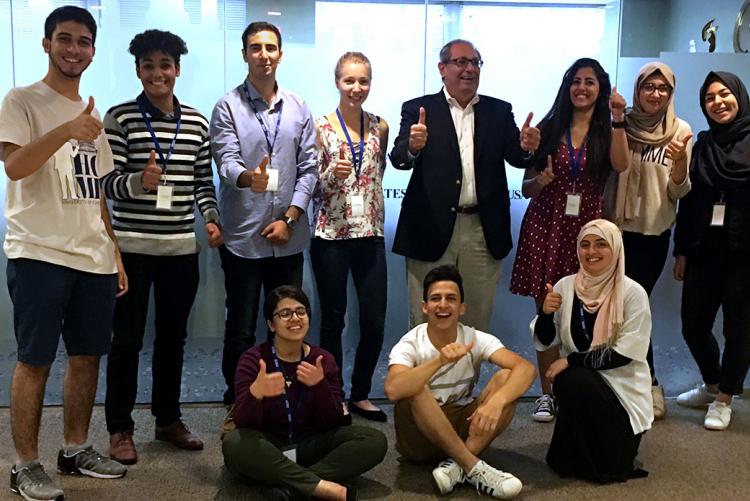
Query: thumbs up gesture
pixel 546 176
pixel 418 133
pixel 343 167
pixel 85 127
pixel 530 136
pixel 267 385
pixel 259 177
pixel 309 374
pixel 617 105
pixel 151 173
pixel 552 301
pixel 676 148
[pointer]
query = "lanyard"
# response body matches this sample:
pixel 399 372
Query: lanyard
pixel 583 322
pixel 357 161
pixel 263 123
pixel 164 161
pixel 575 161
pixel 285 398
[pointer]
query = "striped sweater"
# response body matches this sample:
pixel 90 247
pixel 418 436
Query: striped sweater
pixel 141 227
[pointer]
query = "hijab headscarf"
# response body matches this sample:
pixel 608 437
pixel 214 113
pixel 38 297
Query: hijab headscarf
pixel 722 153
pixel 654 129
pixel 603 292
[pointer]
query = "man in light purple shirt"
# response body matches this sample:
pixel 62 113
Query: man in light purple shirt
pixel 263 143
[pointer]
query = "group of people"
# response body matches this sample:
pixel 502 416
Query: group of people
pixel 603 179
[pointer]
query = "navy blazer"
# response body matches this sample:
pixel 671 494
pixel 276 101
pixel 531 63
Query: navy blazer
pixel 428 209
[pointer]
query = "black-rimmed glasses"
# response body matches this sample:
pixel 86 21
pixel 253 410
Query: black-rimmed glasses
pixel 287 313
pixel 463 62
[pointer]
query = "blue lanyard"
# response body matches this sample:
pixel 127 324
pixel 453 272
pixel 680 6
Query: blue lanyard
pixel 583 321
pixel 357 161
pixel 262 123
pixel 147 120
pixel 285 398
pixel 575 162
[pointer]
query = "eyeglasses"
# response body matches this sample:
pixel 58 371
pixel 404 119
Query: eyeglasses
pixel 462 62
pixel 286 313
pixel 649 88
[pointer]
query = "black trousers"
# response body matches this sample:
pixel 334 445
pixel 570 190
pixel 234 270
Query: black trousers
pixel 645 256
pixel 709 283
pixel 243 280
pixel 332 260
pixel 175 280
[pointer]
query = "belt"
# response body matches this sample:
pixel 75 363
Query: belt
pixel 468 210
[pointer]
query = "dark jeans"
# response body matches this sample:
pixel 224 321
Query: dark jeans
pixel 645 256
pixel 175 280
pixel 709 283
pixel 365 258
pixel 243 279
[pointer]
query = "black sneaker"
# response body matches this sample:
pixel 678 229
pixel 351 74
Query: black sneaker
pixel 33 483
pixel 90 463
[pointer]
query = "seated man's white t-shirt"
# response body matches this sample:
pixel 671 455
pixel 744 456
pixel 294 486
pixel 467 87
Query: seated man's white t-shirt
pixel 453 383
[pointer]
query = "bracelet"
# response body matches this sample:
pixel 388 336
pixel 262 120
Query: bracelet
pixel 618 125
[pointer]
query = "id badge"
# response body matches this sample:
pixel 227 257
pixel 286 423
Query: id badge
pixel 573 204
pixel 357 203
pixel 164 196
pixel 273 179
pixel 290 451
pixel 717 217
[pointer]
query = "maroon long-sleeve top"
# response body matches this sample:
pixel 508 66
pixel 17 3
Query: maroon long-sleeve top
pixel 321 406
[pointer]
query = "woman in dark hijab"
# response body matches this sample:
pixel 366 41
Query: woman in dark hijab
pixel 712 245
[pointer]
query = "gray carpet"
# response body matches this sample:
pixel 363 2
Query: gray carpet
pixel 685 461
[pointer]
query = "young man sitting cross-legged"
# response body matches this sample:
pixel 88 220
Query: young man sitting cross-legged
pixel 431 375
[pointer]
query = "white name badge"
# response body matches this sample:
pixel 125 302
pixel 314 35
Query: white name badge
pixel 717 217
pixel 357 203
pixel 273 179
pixel 164 196
pixel 291 453
pixel 573 204
pixel 637 211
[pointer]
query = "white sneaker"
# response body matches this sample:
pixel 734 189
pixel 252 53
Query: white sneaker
pixel 447 476
pixel 699 396
pixel 660 408
pixel 545 409
pixel 496 483
pixel 718 416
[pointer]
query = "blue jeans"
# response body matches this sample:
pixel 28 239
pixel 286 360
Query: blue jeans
pixel 332 260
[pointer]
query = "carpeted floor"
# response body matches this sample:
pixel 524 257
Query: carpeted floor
pixel 685 461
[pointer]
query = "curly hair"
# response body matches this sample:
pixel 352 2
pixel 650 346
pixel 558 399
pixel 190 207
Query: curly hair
pixel 157 41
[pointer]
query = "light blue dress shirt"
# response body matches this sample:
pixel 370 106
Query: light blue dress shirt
pixel 238 143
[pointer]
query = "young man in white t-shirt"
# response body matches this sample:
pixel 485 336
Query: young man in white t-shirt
pixel 64 268
pixel 432 372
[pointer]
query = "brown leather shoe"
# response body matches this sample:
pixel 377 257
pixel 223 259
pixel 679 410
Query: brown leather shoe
pixel 122 448
pixel 179 435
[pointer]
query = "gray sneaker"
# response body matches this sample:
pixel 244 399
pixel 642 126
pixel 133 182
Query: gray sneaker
pixel 33 483
pixel 90 463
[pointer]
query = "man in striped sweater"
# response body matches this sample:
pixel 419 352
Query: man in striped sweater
pixel 162 170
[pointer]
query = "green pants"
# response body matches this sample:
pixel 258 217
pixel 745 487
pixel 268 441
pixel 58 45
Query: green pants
pixel 336 455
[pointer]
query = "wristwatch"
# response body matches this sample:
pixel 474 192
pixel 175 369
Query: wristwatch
pixel 290 221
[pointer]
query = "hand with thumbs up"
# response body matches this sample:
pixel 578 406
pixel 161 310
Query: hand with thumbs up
pixel 309 374
pixel 552 301
pixel 453 352
pixel 617 105
pixel 259 177
pixel 85 127
pixel 343 167
pixel 151 174
pixel 530 136
pixel 676 148
pixel 546 176
pixel 418 133
pixel 267 385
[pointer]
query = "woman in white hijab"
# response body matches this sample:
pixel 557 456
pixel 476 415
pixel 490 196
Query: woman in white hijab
pixel 601 322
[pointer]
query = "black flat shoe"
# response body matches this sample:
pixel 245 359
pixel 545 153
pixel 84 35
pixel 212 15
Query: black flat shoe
pixel 351 492
pixel 377 415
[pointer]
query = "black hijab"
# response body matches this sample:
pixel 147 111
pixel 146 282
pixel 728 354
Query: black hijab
pixel 722 153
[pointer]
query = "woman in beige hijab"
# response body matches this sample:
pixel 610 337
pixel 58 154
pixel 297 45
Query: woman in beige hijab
pixel 647 192
pixel 600 321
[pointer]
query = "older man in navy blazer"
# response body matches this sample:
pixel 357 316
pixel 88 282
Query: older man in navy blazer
pixel 456 208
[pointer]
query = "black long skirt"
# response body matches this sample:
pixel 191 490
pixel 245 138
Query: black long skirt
pixel 593 439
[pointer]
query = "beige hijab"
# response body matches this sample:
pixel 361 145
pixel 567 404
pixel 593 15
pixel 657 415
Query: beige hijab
pixel 644 129
pixel 603 292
